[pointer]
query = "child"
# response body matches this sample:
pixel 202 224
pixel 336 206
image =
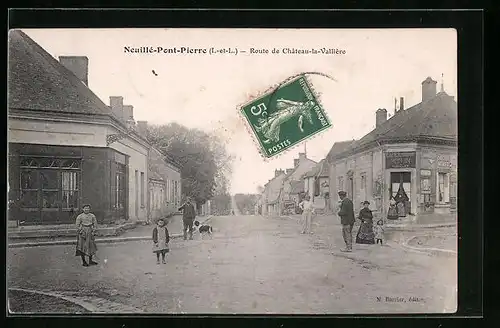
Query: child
pixel 160 240
pixel 379 231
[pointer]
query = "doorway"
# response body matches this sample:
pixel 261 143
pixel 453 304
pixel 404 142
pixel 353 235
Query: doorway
pixel 401 191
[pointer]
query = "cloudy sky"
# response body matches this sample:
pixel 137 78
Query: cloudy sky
pixel 205 91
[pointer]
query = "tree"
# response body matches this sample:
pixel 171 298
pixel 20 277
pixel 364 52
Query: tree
pixel 246 202
pixel 204 161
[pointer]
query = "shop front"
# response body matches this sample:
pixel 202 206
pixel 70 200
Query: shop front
pixel 50 184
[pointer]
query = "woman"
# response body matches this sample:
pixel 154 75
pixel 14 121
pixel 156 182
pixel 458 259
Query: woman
pixel 86 225
pixel 365 233
pixel 392 214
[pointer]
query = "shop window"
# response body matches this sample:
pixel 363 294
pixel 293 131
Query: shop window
pixel 49 184
pixel 70 190
pixel 443 188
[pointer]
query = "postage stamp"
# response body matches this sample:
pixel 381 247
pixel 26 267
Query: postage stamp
pixel 285 116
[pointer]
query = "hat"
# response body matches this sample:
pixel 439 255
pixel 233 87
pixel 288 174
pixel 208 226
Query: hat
pixel 342 193
pixel 366 202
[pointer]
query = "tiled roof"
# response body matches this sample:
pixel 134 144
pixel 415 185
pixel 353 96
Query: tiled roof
pixel 319 169
pixel 37 81
pixel 434 119
pixel 339 147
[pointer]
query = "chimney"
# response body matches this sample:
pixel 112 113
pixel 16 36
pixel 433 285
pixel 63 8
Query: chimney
pixel 79 65
pixel 302 156
pixel 128 112
pixel 142 127
pixel 401 103
pixel 288 171
pixel 116 104
pixel 296 162
pixel 277 172
pixel 428 89
pixel 380 116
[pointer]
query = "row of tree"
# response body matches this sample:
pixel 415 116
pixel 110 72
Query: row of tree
pixel 246 203
pixel 203 158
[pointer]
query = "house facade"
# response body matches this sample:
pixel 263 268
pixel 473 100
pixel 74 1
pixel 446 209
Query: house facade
pixel 164 183
pixel 289 194
pixel 317 185
pixel 272 193
pixel 66 147
pixel 411 157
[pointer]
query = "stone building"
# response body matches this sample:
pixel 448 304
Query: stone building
pixel 66 147
pixel 414 153
pixel 301 165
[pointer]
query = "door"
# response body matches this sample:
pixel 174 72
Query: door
pixel 401 190
pixel 136 194
pixel 350 188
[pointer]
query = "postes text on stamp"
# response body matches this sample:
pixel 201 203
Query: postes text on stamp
pixel 285 116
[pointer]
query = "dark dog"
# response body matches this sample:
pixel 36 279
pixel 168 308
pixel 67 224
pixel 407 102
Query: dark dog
pixel 203 228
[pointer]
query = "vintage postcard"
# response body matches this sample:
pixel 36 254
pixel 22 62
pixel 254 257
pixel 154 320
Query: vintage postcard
pixel 221 171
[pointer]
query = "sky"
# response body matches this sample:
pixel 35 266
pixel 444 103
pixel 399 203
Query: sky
pixel 206 91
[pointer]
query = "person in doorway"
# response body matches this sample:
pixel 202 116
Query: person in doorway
pixel 307 212
pixel 188 216
pixel 392 213
pixel 347 219
pixel 365 233
pixel 86 225
pixel 161 239
pixel 379 231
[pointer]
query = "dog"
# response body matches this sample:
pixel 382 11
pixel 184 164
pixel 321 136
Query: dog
pixel 205 228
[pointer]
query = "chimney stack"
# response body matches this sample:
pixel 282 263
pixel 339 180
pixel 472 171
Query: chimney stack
pixel 380 116
pixel 128 112
pixel 401 103
pixel 278 172
pixel 116 104
pixel 428 89
pixel 302 156
pixel 142 127
pixel 295 162
pixel 79 65
pixel 288 171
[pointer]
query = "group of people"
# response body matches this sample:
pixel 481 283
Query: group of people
pixel 367 233
pixel 86 224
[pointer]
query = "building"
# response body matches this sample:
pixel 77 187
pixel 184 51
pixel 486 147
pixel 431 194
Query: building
pixel 412 154
pixel 164 183
pixel 272 193
pixel 66 147
pixel 316 184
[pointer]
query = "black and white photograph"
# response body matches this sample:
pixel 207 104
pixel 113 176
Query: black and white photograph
pixel 232 171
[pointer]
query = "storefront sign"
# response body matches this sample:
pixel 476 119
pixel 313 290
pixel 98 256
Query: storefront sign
pixel 425 173
pixel 400 160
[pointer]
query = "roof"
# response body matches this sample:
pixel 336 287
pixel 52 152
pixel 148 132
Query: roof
pixel 156 165
pixel 304 165
pixel 320 170
pixel 434 119
pixel 37 81
pixel 297 187
pixel 339 147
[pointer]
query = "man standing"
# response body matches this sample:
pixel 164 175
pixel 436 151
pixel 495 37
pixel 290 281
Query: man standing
pixel 188 216
pixel 346 214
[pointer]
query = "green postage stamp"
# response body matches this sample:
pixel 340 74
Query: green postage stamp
pixel 285 116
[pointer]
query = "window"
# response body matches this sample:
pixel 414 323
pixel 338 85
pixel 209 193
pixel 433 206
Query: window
pixel 49 184
pixel 443 188
pixel 70 185
pixel 142 189
pixel 136 175
pixel 120 187
pixel 363 181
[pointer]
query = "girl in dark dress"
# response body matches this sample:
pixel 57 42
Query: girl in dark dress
pixel 365 233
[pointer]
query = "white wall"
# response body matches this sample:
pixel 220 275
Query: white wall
pixel 37 131
pixel 138 160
